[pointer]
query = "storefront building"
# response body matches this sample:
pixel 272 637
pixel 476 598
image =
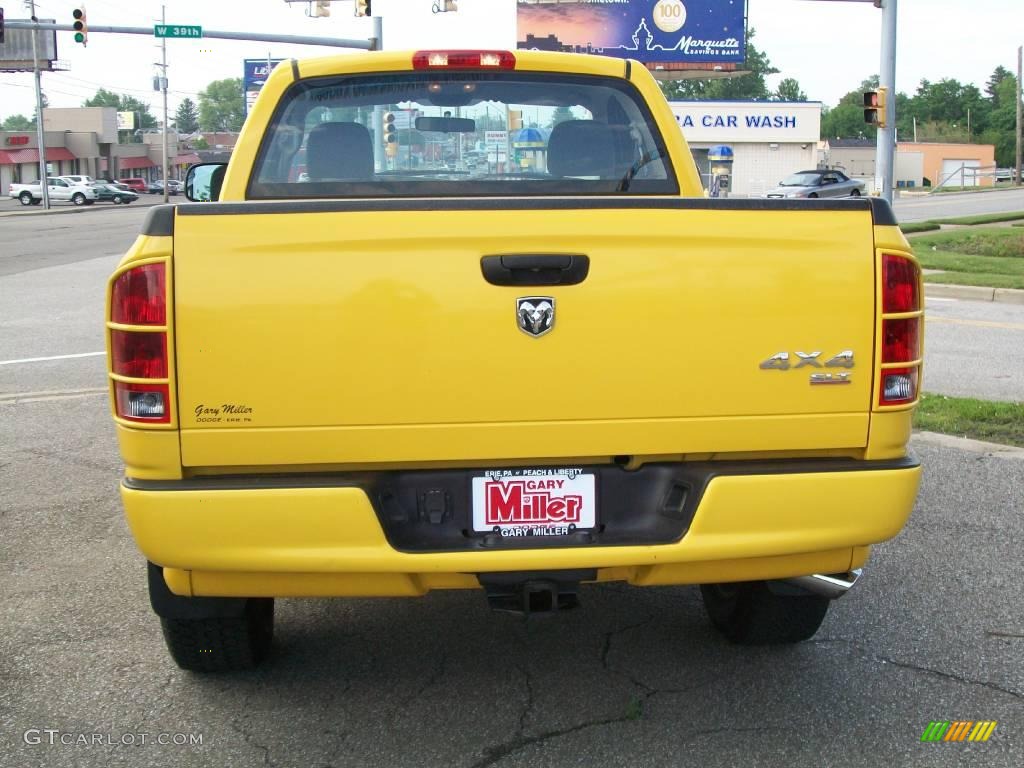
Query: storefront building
pixel 769 139
pixel 19 157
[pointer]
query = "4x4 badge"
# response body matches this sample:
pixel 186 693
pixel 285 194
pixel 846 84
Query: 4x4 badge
pixel 535 314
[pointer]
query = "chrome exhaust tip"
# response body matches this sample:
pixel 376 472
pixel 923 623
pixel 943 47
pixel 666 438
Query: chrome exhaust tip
pixel 832 586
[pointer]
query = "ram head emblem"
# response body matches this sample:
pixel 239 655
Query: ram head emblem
pixel 535 314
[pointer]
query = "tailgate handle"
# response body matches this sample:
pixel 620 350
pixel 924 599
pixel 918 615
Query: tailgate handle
pixel 535 269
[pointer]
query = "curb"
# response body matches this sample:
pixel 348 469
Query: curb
pixel 995 450
pixel 974 293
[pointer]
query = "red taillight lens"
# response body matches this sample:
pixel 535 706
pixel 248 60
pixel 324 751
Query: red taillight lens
pixel 149 403
pixel 138 296
pixel 463 60
pixel 898 387
pixel 139 354
pixel 900 278
pixel 901 340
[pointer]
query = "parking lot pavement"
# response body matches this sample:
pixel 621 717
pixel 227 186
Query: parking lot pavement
pixel 934 631
pixel 10 206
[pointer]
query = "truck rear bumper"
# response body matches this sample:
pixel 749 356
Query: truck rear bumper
pixel 765 520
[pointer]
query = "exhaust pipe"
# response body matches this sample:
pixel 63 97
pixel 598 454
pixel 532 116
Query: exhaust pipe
pixel 832 587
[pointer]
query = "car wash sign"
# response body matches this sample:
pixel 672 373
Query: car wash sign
pixel 654 31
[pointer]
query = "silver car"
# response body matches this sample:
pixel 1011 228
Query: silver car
pixel 818 184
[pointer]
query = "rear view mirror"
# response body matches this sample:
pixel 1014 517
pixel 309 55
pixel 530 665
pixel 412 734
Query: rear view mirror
pixel 446 124
pixel 203 182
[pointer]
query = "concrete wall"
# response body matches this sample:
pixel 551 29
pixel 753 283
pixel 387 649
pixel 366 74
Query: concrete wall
pixel 99 120
pixel 933 156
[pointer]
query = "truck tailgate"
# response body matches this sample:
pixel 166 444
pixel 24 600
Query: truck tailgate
pixel 368 333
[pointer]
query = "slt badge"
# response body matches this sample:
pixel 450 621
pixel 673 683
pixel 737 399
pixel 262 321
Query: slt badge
pixel 535 314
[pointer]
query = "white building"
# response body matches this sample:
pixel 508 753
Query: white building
pixel 769 139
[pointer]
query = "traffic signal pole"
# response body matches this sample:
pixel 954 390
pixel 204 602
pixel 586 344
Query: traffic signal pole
pixel 377 44
pixel 40 130
pixel 885 151
pixel 163 87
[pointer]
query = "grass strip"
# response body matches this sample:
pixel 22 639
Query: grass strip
pixel 923 226
pixel 983 218
pixel 987 420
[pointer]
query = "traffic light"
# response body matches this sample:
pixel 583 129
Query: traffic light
pixel 363 8
pixel 81 26
pixel 390 131
pixel 445 6
pixel 323 8
pixel 874 107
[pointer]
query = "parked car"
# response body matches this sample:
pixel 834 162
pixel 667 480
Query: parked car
pixel 1006 174
pixel 173 187
pixel 115 193
pixel 58 190
pixel 818 184
pixel 136 185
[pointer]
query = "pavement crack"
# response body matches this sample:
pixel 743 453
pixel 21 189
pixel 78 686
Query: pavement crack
pixel 528 706
pixel 997 633
pixel 436 674
pixel 499 752
pixel 250 740
pixel 859 652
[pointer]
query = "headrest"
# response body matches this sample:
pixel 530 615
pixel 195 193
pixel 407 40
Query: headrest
pixel 339 151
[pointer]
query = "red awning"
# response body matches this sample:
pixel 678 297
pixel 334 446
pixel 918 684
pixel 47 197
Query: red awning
pixel 16 156
pixel 125 163
pixel 187 160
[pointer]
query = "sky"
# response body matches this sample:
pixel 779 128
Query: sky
pixel 829 46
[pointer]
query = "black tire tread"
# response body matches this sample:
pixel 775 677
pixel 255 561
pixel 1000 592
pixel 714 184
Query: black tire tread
pixel 757 616
pixel 223 644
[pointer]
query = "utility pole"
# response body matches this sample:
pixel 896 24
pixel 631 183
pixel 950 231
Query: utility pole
pixel 886 147
pixel 1020 124
pixel 41 134
pixel 163 87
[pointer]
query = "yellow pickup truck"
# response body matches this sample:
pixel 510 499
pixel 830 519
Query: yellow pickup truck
pixel 404 348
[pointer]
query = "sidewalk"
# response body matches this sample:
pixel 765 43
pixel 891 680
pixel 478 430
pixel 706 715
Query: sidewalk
pixel 974 293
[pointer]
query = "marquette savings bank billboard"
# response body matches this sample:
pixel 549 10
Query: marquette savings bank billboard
pixel 651 31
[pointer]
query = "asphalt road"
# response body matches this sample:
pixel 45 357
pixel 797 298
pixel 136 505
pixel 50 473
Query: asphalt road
pixel 947 204
pixel 635 677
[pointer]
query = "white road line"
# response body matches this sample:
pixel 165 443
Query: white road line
pixel 18 398
pixel 936 298
pixel 54 357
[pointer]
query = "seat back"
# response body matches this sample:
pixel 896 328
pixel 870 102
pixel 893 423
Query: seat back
pixel 339 151
pixel 587 148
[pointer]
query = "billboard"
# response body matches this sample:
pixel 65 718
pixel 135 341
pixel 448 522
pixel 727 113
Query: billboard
pixel 651 31
pixel 125 121
pixel 254 76
pixel 16 50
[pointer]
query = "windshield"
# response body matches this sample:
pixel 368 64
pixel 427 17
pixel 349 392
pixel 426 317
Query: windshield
pixel 458 134
pixel 801 180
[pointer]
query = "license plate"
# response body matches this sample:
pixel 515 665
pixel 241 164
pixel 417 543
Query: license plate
pixel 534 502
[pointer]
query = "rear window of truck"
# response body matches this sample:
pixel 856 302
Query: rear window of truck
pixel 461 134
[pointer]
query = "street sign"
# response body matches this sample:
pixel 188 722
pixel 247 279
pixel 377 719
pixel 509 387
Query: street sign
pixel 177 30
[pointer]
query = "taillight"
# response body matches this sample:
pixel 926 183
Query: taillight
pixel 138 296
pixel 463 60
pixel 143 402
pixel 901 336
pixel 899 386
pixel 139 354
pixel 900 279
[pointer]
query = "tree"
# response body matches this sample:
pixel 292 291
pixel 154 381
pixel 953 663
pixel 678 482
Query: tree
pixel 789 90
pixel 200 143
pixel 186 119
pixel 846 119
pixel 992 86
pixel 18 123
pixel 749 87
pixel 222 105
pixel 122 102
pixel 560 115
pixel 1003 122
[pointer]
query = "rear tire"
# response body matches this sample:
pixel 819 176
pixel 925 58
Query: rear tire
pixel 814 195
pixel 749 613
pixel 117 200
pixel 222 644
pixel 25 198
pixel 855 193
pixel 78 198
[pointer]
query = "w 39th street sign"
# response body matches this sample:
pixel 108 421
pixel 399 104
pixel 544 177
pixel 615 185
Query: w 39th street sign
pixel 179 30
